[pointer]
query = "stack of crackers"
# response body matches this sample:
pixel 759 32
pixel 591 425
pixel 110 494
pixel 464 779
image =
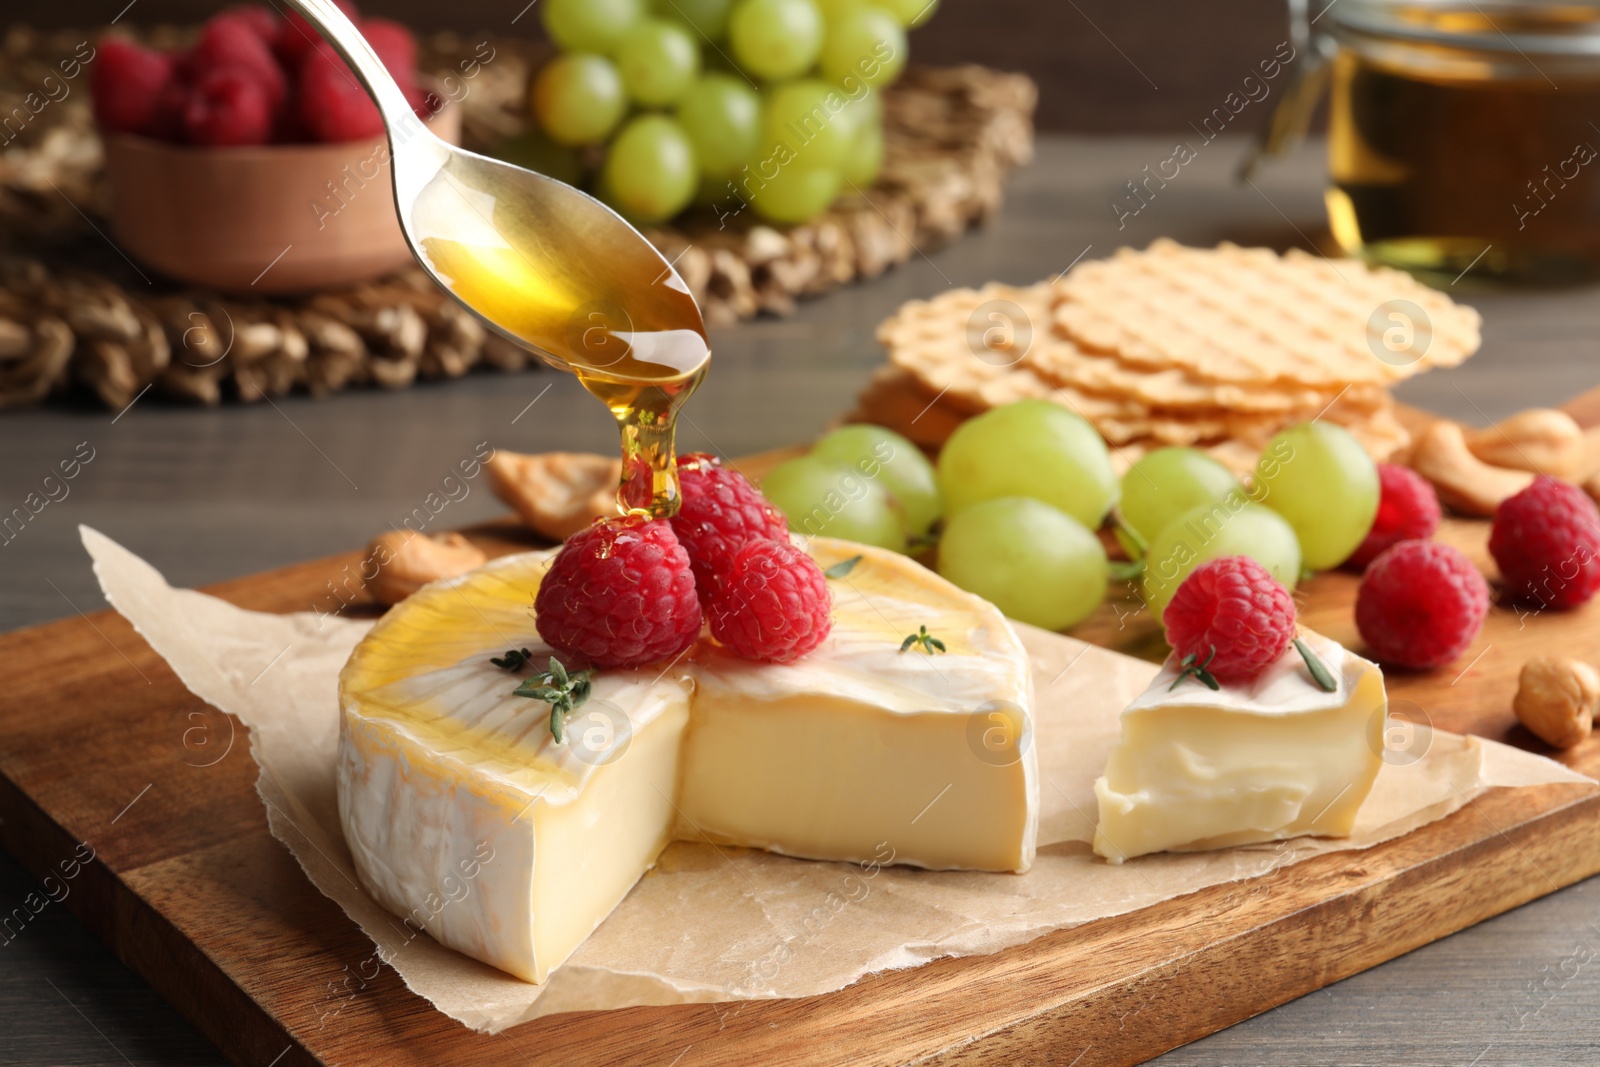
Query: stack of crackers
pixel 1216 349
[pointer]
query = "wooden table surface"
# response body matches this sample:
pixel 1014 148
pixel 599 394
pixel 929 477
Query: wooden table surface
pixel 209 495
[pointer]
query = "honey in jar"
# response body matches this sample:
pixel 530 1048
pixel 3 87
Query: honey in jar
pixel 1464 135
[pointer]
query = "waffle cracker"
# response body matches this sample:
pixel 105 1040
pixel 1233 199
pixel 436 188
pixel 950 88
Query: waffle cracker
pixel 974 349
pixel 894 399
pixel 977 335
pixel 1252 317
pixel 898 400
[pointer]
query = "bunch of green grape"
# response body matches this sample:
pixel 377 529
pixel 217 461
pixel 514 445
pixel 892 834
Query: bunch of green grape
pixel 1019 494
pixel 767 105
pixel 1312 498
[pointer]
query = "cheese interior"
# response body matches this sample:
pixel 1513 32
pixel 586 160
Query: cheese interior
pixel 466 819
pixel 1278 758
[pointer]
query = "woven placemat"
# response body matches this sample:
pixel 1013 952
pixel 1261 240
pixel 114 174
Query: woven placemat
pixel 78 321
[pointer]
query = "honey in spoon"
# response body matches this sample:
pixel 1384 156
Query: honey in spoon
pixel 617 316
pixel 548 267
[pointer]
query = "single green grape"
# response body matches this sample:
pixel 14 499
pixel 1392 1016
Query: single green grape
pixel 870 101
pixel 1319 478
pixel 1031 561
pixel 578 98
pixel 832 9
pixel 1229 527
pixel 535 150
pixel 709 18
pixel 1029 448
pixel 865 43
pixel 815 119
pixel 794 193
pixel 824 498
pixel 650 169
pixel 722 116
pixel 659 61
pixel 866 157
pixel 1164 484
pixel 775 39
pixel 589 25
pixel 895 462
pixel 909 13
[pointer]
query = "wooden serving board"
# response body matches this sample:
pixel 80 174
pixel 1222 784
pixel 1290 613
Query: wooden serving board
pixel 107 749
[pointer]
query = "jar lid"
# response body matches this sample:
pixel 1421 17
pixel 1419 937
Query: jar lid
pixel 1571 28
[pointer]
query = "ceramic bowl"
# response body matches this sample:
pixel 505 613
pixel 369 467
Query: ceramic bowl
pixel 260 219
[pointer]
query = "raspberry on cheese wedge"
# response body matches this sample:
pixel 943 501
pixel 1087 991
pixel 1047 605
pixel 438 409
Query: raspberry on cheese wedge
pixel 1271 758
pixel 466 818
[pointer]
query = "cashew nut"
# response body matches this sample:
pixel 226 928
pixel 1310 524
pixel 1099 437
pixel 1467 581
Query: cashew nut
pixel 1591 485
pixel 1541 440
pixel 1591 452
pixel 1556 699
pixel 1464 482
pixel 407 561
pixel 556 493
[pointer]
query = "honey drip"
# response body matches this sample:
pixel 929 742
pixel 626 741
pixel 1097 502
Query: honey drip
pixel 618 318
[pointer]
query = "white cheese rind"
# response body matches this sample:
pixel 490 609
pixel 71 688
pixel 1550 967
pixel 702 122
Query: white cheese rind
pixel 1280 758
pixel 445 768
pixel 462 813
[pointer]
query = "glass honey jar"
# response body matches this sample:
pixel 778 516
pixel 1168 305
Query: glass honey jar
pixel 1465 135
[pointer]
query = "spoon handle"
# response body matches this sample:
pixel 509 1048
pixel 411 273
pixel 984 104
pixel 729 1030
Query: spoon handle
pixel 348 42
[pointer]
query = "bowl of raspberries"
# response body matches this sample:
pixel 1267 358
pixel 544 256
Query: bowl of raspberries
pixel 254 161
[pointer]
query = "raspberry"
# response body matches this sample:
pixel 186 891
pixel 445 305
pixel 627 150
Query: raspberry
pixel 1420 604
pixel 720 511
pixel 230 43
pixel 227 108
pixel 1408 510
pixel 173 101
pixel 1234 606
pixel 619 594
pixel 1546 540
pixel 771 602
pixel 333 105
pixel 297 37
pixel 127 84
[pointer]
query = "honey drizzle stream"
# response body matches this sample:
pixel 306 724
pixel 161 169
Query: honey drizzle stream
pixel 617 316
pixel 646 415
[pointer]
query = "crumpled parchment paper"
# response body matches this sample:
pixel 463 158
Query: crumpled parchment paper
pixel 714 924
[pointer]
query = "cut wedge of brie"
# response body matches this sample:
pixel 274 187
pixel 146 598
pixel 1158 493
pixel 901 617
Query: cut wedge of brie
pixel 1277 758
pixel 467 820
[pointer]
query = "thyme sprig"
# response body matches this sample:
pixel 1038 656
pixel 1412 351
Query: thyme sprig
pixel 1188 667
pixel 1319 670
pixel 514 659
pixel 924 640
pixel 842 568
pixel 563 690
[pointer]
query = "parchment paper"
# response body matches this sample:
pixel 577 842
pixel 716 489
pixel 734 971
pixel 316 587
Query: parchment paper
pixel 731 924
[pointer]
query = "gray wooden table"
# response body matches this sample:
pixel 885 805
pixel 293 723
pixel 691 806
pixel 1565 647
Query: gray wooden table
pixel 208 495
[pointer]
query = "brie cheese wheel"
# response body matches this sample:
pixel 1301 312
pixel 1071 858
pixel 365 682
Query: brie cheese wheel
pixel 1272 759
pixel 466 819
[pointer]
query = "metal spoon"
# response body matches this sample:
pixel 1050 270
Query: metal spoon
pixel 545 265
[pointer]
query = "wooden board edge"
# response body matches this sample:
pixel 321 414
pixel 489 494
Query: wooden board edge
pixel 148 943
pixel 27 830
pixel 1372 924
